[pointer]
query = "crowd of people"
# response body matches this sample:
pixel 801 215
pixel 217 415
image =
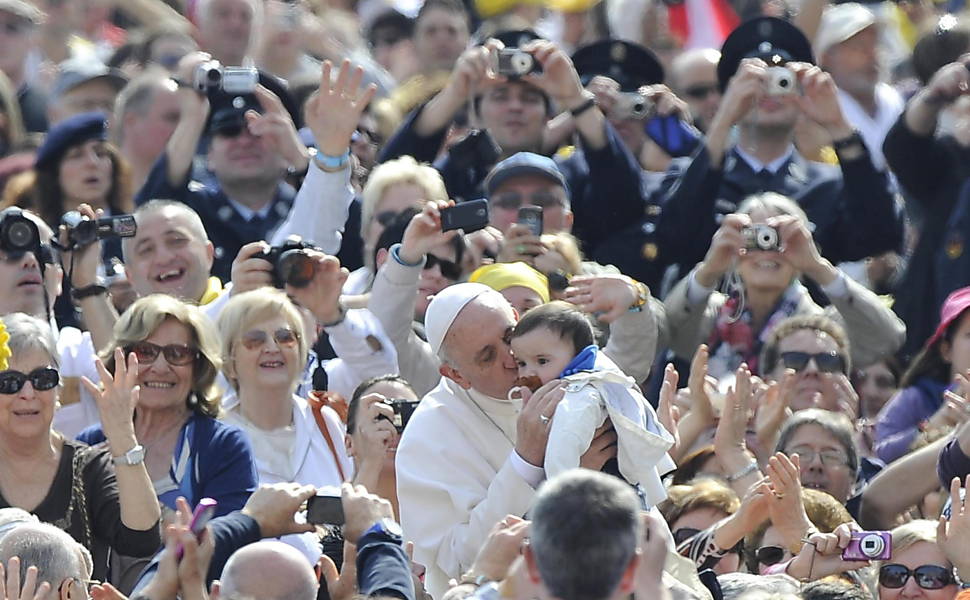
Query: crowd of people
pixel 559 299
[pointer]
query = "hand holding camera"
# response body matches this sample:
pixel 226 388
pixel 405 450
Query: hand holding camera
pixel 275 125
pixel 474 69
pixel 819 100
pixel 726 246
pixel 375 427
pixel 521 244
pixel 824 554
pixel 249 270
pixel 557 77
pixel 312 278
pixel 424 232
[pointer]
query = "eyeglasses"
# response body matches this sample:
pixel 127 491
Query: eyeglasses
pixel 928 577
pixel 257 338
pixel 829 458
pixel 700 91
pixel 175 354
pixel 825 362
pixel 42 379
pixel 769 555
pixel 449 270
pixel 542 199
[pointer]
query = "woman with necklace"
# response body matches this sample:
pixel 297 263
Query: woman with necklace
pixel 187 451
pixel 103 499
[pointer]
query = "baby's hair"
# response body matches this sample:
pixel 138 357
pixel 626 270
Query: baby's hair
pixel 563 319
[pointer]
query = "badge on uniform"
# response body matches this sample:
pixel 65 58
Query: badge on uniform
pixel 954 246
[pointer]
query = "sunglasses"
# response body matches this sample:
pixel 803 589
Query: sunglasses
pixel 175 354
pixel 48 255
pixel 42 379
pixel 769 555
pixel 826 362
pixel 257 338
pixel 449 269
pixel 928 577
pixel 510 200
pixel 700 91
pixel 685 533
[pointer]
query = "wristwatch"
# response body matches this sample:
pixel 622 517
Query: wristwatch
pixel 135 456
pixel 387 527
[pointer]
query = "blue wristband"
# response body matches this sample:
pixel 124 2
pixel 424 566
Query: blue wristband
pixel 396 255
pixel 331 163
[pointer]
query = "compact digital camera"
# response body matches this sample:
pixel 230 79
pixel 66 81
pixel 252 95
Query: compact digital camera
pixel 869 545
pixel 211 75
pixel 781 81
pixel 631 105
pixel 512 62
pixel 761 237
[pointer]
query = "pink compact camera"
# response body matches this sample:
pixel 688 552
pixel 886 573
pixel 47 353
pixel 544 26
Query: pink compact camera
pixel 869 545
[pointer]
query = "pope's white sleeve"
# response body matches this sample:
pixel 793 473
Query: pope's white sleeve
pixel 320 209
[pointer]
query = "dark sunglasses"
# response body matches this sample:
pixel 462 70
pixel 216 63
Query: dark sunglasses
pixel 685 533
pixel 42 379
pixel 769 555
pixel 826 362
pixel 449 269
pixel 928 577
pixel 510 200
pixel 175 354
pixel 257 338
pixel 700 91
pixel 48 255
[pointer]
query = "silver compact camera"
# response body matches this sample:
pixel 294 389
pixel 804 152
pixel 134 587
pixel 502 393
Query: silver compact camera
pixel 512 62
pixel 211 75
pixel 761 237
pixel 781 81
pixel 631 105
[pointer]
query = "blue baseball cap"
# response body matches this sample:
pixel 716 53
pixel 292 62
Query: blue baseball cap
pixel 70 132
pixel 524 163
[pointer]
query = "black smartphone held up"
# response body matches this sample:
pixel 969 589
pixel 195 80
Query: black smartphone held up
pixel 325 510
pixel 468 216
pixel 675 136
pixel 531 217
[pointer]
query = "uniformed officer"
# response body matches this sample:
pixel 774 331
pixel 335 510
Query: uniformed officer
pixel 514 112
pixel 769 81
pixel 627 81
pixel 246 197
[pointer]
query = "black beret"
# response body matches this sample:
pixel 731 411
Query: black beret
pixel 630 65
pixel 227 110
pixel 516 38
pixel 70 132
pixel 774 40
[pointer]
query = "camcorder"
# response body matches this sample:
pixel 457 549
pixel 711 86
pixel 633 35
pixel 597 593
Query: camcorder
pixel 761 237
pixel 212 76
pixel 82 231
pixel 292 265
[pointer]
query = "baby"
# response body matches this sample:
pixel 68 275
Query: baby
pixel 555 341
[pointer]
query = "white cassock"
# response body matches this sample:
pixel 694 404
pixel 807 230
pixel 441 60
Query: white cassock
pixel 457 477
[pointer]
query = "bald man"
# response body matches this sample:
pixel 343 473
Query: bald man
pixel 270 571
pixel 693 75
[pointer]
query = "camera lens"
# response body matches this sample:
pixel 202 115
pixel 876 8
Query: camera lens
pixel 20 235
pixel 521 63
pixel 872 545
pixel 213 76
pixel 296 268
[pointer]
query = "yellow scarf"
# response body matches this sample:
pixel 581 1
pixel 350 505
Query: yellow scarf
pixel 212 291
pixel 5 352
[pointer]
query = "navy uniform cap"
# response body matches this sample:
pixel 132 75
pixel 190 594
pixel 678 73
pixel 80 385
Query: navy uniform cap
pixel 769 38
pixel 516 38
pixel 228 110
pixel 630 65
pixel 524 163
pixel 70 132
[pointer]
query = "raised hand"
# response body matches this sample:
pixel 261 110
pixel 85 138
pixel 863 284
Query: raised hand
pixel 332 114
pixel 821 555
pixel 819 100
pixel 10 583
pixel 773 410
pixel 116 399
pixel 608 297
pixel 322 295
pixel 276 126
pixel 250 272
pixel 424 232
pixel 667 411
pixel 785 501
pixel 953 534
pixel 502 546
pixel 558 78
pixel 81 265
pixel 726 246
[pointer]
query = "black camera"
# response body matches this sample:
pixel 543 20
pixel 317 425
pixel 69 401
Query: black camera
pixel 18 234
pixel 291 263
pixel 477 149
pixel 761 237
pixel 82 231
pixel 403 410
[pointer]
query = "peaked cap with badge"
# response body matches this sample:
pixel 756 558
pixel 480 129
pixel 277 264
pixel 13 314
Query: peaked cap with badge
pixel 630 65
pixel 771 39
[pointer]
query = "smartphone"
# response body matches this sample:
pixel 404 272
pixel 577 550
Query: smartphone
pixel 403 409
pixel 531 217
pixel 325 510
pixel 676 137
pixel 468 216
pixel 203 513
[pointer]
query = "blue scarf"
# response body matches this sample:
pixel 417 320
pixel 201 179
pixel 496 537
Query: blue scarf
pixel 582 362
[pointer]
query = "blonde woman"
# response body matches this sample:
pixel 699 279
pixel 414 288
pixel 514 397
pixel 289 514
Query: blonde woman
pixel 186 450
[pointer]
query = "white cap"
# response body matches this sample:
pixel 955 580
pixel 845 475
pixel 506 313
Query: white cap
pixel 839 23
pixel 444 308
